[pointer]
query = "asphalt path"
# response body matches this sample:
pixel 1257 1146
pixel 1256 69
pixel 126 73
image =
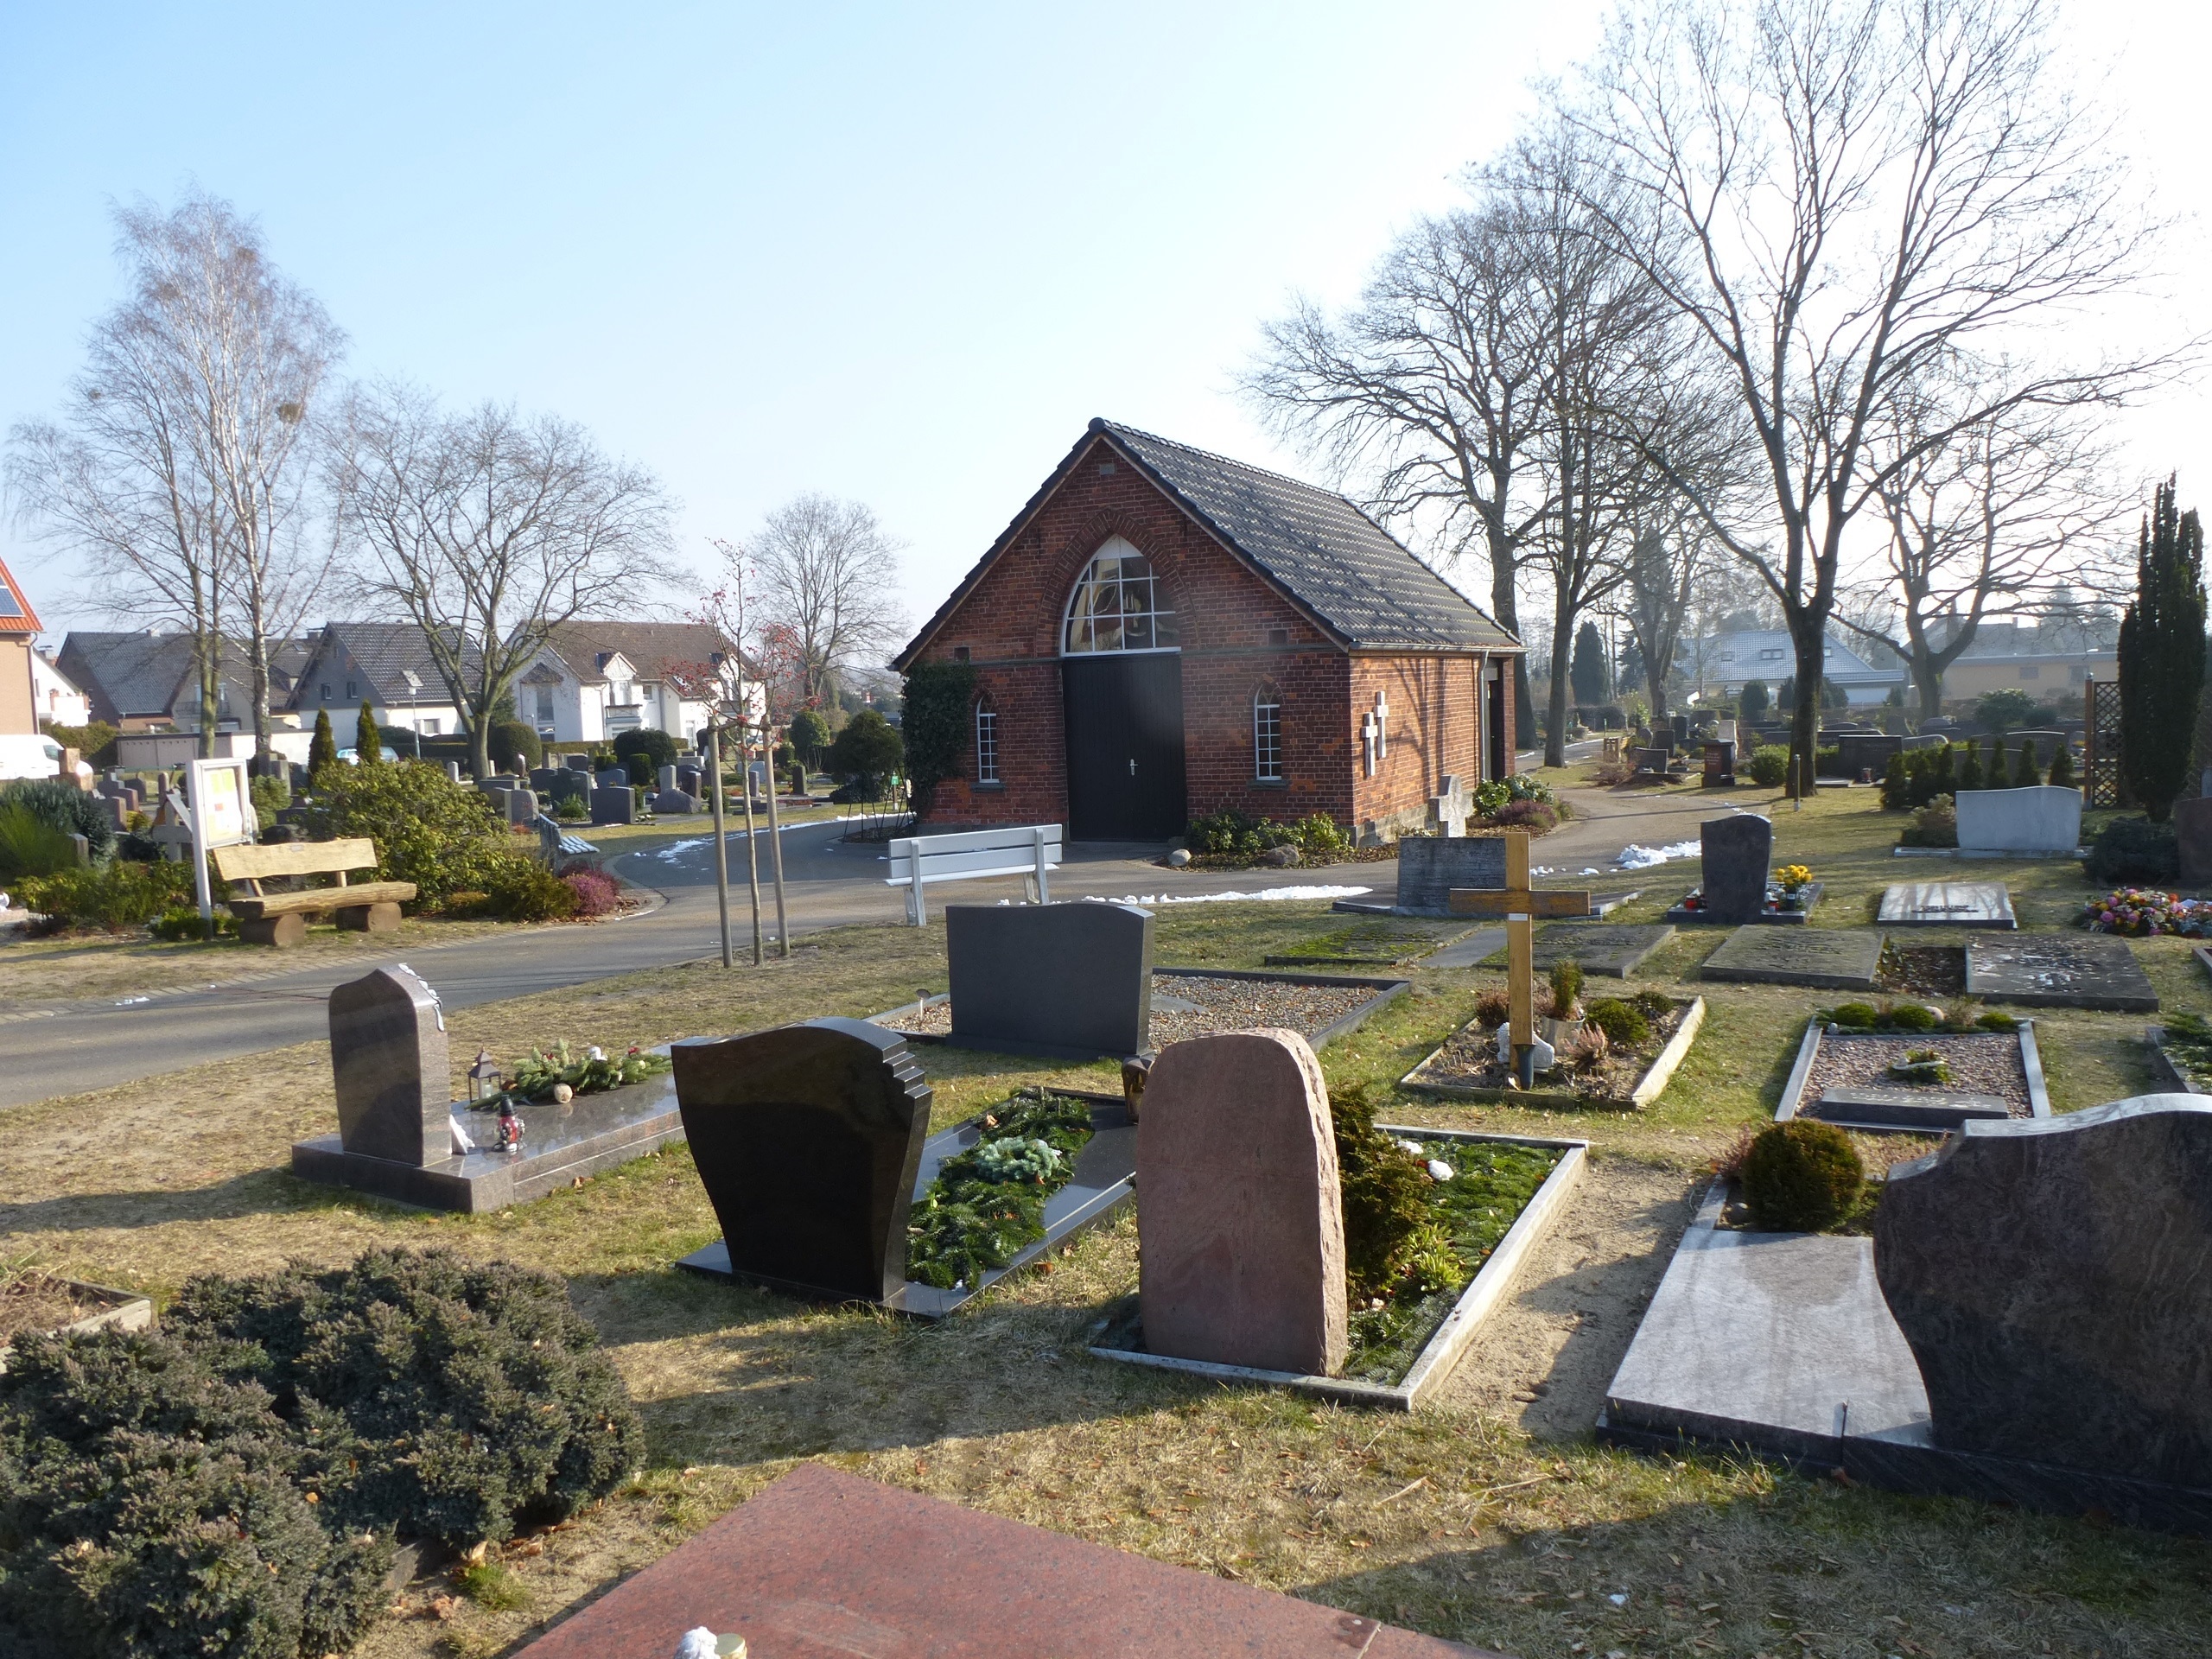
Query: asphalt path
pixel 67 1048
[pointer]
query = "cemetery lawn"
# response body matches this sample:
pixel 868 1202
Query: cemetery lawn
pixel 1490 1517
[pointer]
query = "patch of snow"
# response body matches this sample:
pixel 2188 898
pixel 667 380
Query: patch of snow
pixel 675 849
pixel 1439 1170
pixel 1264 894
pixel 1634 857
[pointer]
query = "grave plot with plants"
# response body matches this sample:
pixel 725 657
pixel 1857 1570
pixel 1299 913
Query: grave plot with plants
pixel 987 1204
pixel 1911 1067
pixel 2181 1053
pixel 1609 1052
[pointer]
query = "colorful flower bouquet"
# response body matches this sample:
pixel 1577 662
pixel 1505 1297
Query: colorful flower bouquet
pixel 2145 912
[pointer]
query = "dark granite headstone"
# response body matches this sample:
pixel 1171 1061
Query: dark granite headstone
pixel 577 762
pixel 1649 760
pixel 1858 752
pixel 542 778
pixel 569 785
pixel 2050 1276
pixel 1719 763
pixel 808 1138
pixel 1429 867
pixel 613 806
pixel 1073 980
pixel 2193 831
pixel 388 1056
pixel 612 777
pixel 1735 853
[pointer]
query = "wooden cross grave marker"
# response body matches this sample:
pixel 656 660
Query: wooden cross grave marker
pixel 1519 893
pixel 1519 1046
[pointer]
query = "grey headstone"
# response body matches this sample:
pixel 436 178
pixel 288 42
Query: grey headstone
pixel 82 846
pixel 1066 980
pixel 499 780
pixel 675 800
pixel 667 778
pixel 2193 831
pixel 612 777
pixel 453 772
pixel 1650 760
pixel 1613 948
pixel 2050 1275
pixel 690 779
pixel 1240 1231
pixel 808 1140
pixel 388 1056
pixel 613 806
pixel 1735 853
pixel 1929 1111
pixel 544 778
pixel 2059 970
pixel 1833 957
pixel 1948 904
pixel 521 805
pixel 577 762
pixel 1429 867
pixel 569 785
pixel 2046 818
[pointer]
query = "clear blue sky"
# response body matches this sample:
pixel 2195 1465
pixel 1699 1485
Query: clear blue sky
pixel 895 253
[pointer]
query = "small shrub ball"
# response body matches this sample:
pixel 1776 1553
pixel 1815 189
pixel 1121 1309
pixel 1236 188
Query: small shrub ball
pixel 1802 1176
pixel 1622 1022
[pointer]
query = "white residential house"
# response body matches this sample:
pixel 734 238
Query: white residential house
pixel 389 666
pixel 56 696
pixel 1727 662
pixel 593 680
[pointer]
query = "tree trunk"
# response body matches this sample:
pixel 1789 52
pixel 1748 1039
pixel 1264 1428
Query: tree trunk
pixel 1504 568
pixel 208 662
pixel 1655 681
pixel 1809 634
pixel 480 746
pixel 259 651
pixel 1928 680
pixel 1556 704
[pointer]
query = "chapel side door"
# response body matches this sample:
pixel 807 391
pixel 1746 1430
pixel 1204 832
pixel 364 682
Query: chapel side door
pixel 1124 726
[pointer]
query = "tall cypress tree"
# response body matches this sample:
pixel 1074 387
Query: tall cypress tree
pixel 2162 655
pixel 1588 676
pixel 322 747
pixel 368 742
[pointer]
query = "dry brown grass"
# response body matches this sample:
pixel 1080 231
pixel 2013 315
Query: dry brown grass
pixel 1492 1518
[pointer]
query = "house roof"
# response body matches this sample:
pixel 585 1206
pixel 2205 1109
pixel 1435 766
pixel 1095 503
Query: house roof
pixel 654 650
pixel 1355 580
pixel 15 614
pixel 128 675
pixel 1735 655
pixel 384 654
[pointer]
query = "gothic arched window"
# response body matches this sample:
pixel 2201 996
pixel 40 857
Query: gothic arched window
pixel 1118 606
pixel 986 741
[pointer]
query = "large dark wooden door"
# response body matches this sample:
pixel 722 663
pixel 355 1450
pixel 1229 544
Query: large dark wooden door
pixel 1124 723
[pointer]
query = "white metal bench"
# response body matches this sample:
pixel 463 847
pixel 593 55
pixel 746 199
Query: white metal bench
pixel 1030 849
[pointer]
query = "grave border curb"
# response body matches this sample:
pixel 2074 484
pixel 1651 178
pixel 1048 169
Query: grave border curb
pixel 1793 1092
pixel 2163 1066
pixel 133 1310
pixel 1663 1066
pixel 1441 1353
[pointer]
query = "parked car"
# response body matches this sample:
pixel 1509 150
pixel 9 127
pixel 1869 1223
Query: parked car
pixel 33 754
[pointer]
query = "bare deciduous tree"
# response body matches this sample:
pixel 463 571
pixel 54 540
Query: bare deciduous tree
pixel 1988 521
pixel 1847 192
pixel 488 531
pixel 1425 392
pixel 179 471
pixel 1672 561
pixel 828 574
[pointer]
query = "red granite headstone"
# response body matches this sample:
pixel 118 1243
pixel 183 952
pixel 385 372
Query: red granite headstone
pixel 1240 1220
pixel 824 1565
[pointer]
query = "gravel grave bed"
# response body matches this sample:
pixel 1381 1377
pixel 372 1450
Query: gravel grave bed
pixel 1469 1060
pixel 1979 1065
pixel 1220 1005
pixel 1923 969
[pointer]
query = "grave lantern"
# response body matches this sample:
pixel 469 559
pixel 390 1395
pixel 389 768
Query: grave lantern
pixel 485 1083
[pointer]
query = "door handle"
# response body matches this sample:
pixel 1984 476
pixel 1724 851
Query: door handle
pixel 1133 766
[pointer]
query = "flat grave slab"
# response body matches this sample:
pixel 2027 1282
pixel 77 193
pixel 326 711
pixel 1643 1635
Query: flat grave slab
pixel 823 1562
pixel 1103 1180
pixel 1771 915
pixel 1783 1342
pixel 560 1144
pixel 1613 949
pixel 1836 958
pixel 2059 970
pixel 1471 951
pixel 1383 942
pixel 1948 904
pixel 1926 1111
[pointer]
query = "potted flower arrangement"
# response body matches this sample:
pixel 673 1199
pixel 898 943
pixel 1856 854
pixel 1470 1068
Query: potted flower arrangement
pixel 2145 912
pixel 1793 880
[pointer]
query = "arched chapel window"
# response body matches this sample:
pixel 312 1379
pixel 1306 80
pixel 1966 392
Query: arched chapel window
pixel 1118 606
pixel 1267 735
pixel 986 741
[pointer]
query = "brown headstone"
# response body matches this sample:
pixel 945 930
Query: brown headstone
pixel 395 1082
pixel 2193 831
pixel 1240 1223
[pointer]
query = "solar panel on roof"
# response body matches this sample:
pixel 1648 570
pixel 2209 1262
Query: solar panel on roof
pixel 7 605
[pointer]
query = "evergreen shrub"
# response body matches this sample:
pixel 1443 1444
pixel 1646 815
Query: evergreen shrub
pixel 440 835
pixel 1802 1176
pixel 1768 766
pixel 515 746
pixel 65 807
pixel 2129 852
pixel 643 753
pixel 1388 1226
pixel 1622 1023
pixel 117 896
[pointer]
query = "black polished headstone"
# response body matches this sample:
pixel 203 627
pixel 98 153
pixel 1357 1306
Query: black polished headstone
pixel 389 1058
pixel 2050 1276
pixel 569 785
pixel 1070 981
pixel 808 1138
pixel 1735 853
pixel 613 806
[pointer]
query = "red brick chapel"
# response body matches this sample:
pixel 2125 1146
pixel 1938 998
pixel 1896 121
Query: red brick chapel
pixel 1161 633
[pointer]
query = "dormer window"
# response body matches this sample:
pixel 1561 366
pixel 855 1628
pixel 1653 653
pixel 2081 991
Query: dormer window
pixel 1118 606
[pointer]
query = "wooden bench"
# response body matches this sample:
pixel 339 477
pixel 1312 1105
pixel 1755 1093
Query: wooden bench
pixel 1029 849
pixel 280 918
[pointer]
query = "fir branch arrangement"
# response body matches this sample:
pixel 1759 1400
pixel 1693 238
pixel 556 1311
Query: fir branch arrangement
pixel 987 1204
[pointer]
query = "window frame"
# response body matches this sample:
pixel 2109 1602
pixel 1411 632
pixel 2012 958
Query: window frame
pixel 985 719
pixel 1161 628
pixel 1267 741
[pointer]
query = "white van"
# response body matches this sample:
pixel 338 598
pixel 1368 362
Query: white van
pixel 33 754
